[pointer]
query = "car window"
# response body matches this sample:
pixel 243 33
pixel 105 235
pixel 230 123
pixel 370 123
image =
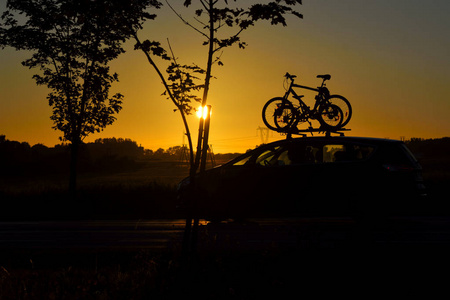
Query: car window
pixel 395 154
pixel 362 152
pixel 265 158
pixel 268 157
pixel 332 153
pixel 301 154
pixel 306 153
pixel 283 159
pixel 346 152
pixel 298 153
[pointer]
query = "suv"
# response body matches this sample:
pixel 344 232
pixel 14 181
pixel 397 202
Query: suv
pixel 310 176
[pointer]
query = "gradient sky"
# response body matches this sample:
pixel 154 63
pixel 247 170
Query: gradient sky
pixel 390 58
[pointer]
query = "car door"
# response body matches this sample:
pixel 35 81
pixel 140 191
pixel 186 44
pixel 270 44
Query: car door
pixel 285 179
pixel 270 182
pixel 244 184
pixel 303 172
pixel 345 175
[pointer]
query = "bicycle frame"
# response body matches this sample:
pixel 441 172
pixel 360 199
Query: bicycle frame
pixel 322 94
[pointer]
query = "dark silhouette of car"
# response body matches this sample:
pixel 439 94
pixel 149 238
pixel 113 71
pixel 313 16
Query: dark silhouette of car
pixel 309 176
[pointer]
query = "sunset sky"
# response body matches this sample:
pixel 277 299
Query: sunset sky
pixel 389 58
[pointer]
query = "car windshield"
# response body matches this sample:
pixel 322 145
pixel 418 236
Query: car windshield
pixel 242 160
pixel 262 157
pixel 266 157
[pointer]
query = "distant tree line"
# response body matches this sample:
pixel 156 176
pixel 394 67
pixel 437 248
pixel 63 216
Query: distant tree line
pixel 19 158
pixel 430 148
pixel 102 155
pixel 119 154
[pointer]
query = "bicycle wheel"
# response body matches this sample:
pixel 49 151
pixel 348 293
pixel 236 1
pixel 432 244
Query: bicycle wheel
pixel 330 116
pixel 278 114
pixel 344 105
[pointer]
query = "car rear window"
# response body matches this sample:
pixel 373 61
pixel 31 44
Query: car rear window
pixel 397 154
pixel 409 153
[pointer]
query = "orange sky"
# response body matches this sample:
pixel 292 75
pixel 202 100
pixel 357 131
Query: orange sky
pixel 389 58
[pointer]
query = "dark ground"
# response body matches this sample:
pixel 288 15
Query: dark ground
pixel 272 271
pixel 269 272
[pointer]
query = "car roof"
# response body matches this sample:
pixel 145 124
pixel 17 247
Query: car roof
pixel 340 139
pixel 378 142
pixel 320 139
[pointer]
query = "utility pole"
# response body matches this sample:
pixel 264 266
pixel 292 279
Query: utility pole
pixel 184 155
pixel 264 133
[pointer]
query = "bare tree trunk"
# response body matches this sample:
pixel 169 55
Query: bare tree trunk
pixel 206 88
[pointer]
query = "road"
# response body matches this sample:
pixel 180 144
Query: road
pixel 152 234
pixel 300 233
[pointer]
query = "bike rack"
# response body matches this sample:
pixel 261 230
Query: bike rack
pixel 304 132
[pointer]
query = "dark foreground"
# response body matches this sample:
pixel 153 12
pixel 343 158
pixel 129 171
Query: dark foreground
pixel 233 261
pixel 260 259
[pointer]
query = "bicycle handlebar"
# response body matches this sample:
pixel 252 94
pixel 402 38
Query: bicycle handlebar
pixel 289 76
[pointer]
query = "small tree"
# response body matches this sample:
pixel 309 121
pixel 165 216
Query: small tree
pixel 72 44
pixel 183 80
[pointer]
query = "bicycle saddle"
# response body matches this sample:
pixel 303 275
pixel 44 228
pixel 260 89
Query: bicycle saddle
pixel 324 77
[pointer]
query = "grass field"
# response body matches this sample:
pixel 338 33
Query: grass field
pixel 147 191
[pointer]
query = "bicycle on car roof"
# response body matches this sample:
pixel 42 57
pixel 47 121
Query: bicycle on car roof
pixel 332 111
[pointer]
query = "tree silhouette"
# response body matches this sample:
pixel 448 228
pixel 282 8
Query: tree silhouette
pixel 72 43
pixel 211 16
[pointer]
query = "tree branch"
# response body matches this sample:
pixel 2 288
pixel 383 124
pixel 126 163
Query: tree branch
pixel 186 22
pixel 171 96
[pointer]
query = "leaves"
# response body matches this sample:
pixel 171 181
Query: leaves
pixel 152 47
pixel 184 85
pixel 72 43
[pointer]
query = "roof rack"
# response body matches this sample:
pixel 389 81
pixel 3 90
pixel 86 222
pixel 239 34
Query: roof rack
pixel 304 132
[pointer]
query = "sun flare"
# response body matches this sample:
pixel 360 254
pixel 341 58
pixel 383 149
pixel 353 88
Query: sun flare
pixel 201 112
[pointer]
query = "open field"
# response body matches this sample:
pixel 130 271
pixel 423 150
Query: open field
pixel 148 190
pixel 145 191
